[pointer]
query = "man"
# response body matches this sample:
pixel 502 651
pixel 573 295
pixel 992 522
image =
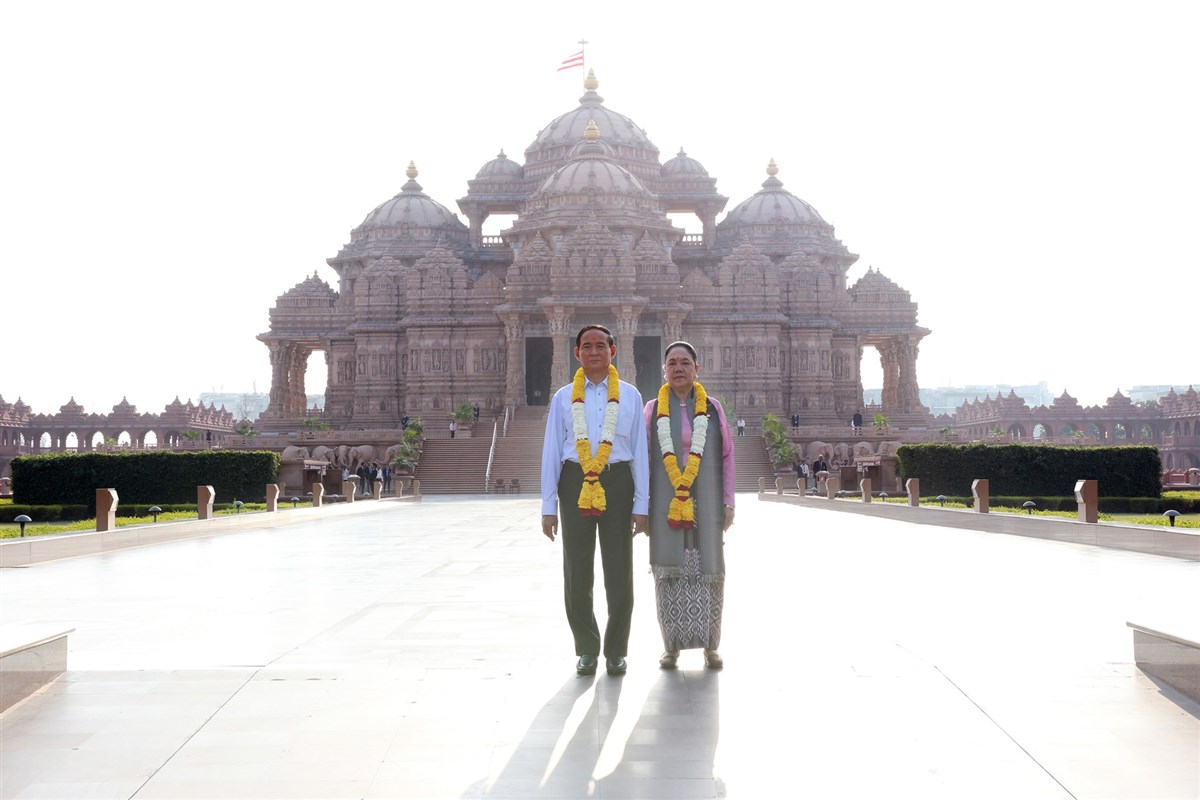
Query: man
pixel 604 496
pixel 856 421
pixel 741 427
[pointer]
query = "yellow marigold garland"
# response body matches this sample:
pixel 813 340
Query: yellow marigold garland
pixel 592 500
pixel 682 512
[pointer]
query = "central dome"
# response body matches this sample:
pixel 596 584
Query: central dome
pixel 552 146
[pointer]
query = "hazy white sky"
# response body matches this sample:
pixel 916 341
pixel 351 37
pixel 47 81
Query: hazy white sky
pixel 1029 171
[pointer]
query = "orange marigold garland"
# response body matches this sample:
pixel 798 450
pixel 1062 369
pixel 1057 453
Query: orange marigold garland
pixel 682 513
pixel 592 501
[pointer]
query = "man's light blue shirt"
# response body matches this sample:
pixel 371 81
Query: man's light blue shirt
pixel 629 444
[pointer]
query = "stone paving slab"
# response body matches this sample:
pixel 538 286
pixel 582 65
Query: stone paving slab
pixel 420 651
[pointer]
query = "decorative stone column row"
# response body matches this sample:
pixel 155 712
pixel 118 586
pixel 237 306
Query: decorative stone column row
pixel 289 362
pixel 901 393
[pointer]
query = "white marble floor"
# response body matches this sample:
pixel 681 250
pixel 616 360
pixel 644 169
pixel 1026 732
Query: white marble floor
pixel 420 651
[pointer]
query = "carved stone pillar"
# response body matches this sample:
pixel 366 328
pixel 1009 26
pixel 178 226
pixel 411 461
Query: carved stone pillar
pixel 889 360
pixel 297 363
pixel 626 365
pixel 709 230
pixel 514 380
pixel 560 332
pixel 277 353
pixel 906 363
pixel 672 329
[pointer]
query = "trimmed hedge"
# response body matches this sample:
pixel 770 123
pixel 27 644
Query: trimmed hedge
pixel 148 478
pixel 1031 470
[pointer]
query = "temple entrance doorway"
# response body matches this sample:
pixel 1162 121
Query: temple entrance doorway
pixel 539 354
pixel 647 358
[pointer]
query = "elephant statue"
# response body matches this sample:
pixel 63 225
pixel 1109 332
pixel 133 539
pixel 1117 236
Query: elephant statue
pixel 363 454
pixel 888 448
pixel 390 453
pixel 815 449
pixel 323 453
pixel 293 453
pixel 343 456
pixel 863 449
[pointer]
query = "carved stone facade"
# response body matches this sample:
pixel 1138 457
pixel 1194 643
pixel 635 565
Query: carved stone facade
pixel 429 313
pixel 1172 424
pixel 180 425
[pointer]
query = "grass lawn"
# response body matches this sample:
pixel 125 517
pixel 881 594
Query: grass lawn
pixel 12 530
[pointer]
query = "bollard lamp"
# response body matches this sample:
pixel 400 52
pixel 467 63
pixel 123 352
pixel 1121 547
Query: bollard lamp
pixel 23 520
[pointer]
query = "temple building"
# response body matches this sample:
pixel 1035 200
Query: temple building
pixel 428 312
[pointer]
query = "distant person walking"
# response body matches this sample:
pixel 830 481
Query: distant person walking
pixel 856 421
pixel 453 428
pixel 741 427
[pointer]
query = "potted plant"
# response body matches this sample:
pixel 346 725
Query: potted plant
pixel 464 415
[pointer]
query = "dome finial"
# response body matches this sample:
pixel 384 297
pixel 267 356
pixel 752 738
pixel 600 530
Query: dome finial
pixel 772 170
pixel 592 131
pixel 411 172
pixel 590 83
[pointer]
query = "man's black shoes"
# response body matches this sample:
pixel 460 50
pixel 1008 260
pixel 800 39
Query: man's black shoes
pixel 616 666
pixel 586 665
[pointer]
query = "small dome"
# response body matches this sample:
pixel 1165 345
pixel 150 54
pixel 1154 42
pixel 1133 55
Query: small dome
pixel 501 167
pixel 683 164
pixel 773 204
pixel 411 206
pixel 591 171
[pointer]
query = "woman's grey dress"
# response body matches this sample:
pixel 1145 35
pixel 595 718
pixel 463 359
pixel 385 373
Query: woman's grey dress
pixel 689 566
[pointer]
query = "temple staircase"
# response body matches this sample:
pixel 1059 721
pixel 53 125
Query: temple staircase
pixel 519 455
pixel 458 466
pixel 454 466
pixel 750 456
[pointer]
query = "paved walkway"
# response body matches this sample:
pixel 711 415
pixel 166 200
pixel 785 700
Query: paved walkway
pixel 420 651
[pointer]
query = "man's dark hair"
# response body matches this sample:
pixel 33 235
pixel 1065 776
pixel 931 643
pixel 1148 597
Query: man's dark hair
pixel 586 328
pixel 682 344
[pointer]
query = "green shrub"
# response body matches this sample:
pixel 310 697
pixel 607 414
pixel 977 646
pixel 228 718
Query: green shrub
pixel 159 477
pixel 1031 470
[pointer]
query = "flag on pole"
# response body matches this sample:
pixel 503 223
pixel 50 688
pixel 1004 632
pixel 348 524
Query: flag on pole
pixel 575 60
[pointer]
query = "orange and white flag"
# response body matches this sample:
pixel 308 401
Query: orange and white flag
pixel 575 60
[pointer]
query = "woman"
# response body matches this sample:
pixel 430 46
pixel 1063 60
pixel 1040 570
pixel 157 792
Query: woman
pixel 691 506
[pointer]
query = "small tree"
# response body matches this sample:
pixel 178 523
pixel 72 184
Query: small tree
pixel 416 427
pixel 464 413
pixel 779 444
pixel 881 422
